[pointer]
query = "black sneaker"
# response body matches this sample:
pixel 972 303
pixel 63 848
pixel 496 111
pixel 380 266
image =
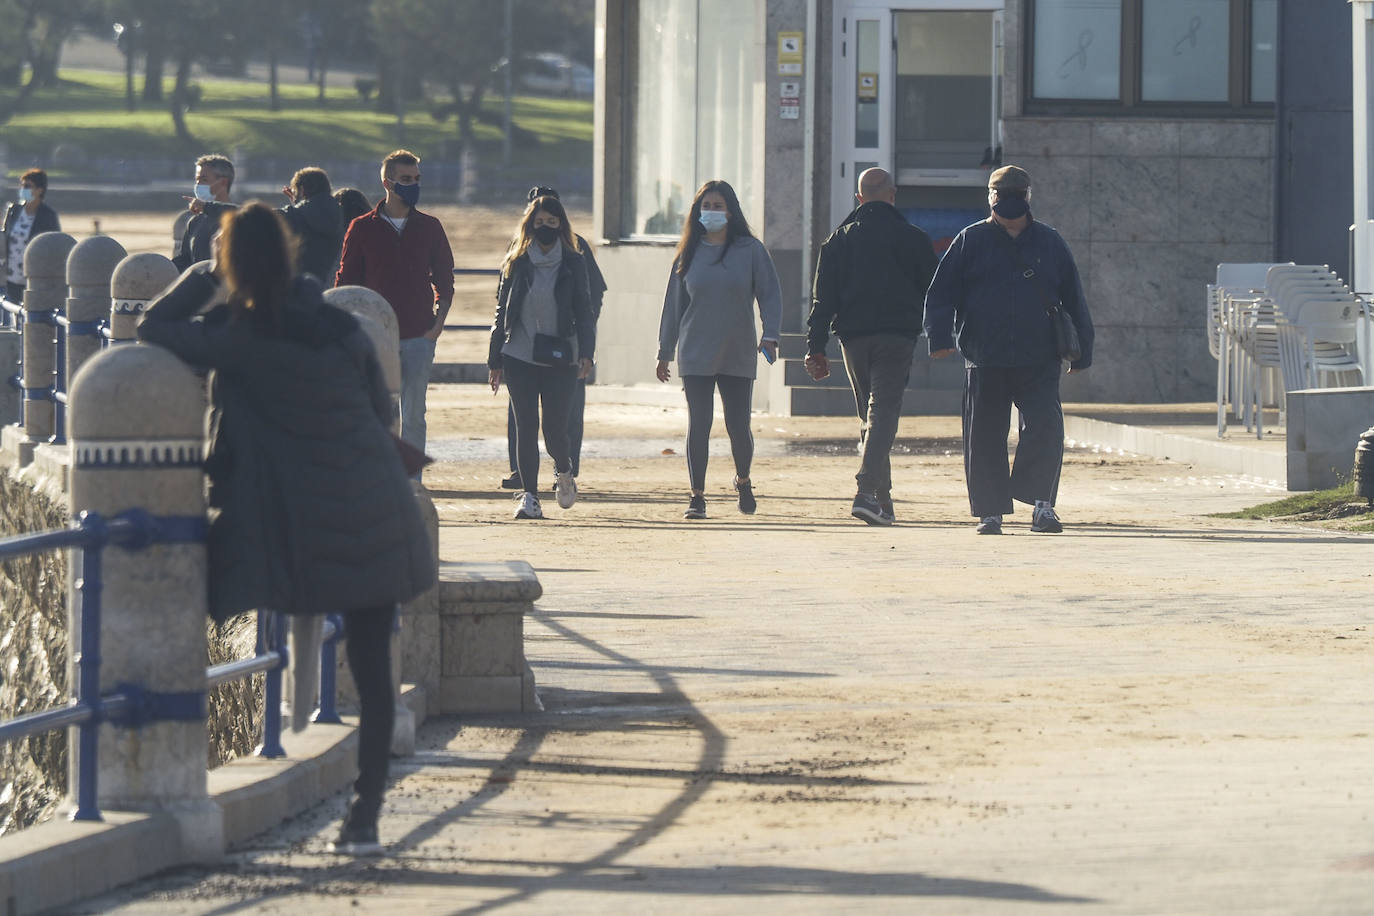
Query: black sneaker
pixel 358 833
pixel 747 502
pixel 512 482
pixel 867 509
pixel 696 508
pixel 990 524
pixel 1044 521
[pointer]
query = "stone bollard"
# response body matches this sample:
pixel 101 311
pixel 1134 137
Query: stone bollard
pixel 179 230
pixel 135 282
pixel 125 455
pixel 89 268
pixel 45 269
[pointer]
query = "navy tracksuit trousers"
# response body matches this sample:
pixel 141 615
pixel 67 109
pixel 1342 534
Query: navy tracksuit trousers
pixel 989 395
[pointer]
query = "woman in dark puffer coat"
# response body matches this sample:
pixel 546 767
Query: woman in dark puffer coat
pixel 310 508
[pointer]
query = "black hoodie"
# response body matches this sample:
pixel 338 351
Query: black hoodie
pixel 318 223
pixel 871 278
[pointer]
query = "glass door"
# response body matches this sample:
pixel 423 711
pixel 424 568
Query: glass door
pixel 863 99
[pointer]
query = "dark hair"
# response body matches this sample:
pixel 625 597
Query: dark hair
pixel 398 157
pixel 310 181
pixel 36 177
pixel 257 260
pixel 540 191
pixel 353 203
pixel 524 233
pixel 692 230
pixel 219 165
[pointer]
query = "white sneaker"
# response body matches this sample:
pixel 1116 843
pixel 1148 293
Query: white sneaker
pixel 566 488
pixel 527 506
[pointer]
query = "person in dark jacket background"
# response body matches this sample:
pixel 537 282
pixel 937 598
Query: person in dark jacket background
pixel 871 280
pixel 315 217
pixel 352 203
pixel 542 341
pixel 596 287
pixel 27 217
pixel 990 298
pixel 209 203
pixel 310 508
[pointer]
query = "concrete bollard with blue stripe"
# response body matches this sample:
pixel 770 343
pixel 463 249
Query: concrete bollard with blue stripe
pixel 90 265
pixel 136 419
pixel 45 273
pixel 135 282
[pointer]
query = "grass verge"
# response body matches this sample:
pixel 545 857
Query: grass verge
pixel 1337 507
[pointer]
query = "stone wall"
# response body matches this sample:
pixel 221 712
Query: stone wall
pixel 33 657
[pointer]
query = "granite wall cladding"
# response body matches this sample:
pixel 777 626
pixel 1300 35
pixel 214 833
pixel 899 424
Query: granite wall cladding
pixel 1149 208
pixel 33 666
pixel 33 658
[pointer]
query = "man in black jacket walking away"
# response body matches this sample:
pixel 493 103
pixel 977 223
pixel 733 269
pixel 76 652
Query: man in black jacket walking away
pixel 871 280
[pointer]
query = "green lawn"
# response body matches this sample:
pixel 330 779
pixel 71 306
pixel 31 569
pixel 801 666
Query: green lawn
pixel 1339 507
pixel 87 111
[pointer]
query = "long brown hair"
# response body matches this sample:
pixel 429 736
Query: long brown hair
pixel 524 233
pixel 692 230
pixel 257 261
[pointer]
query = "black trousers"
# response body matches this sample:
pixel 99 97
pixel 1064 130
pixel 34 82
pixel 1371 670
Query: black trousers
pixel 369 659
pixel 736 395
pixel 575 423
pixel 989 395
pixel 530 386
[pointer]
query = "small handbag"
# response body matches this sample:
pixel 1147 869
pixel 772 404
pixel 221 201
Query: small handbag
pixel 552 350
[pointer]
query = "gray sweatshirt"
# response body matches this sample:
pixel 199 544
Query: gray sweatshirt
pixel 539 313
pixel 708 315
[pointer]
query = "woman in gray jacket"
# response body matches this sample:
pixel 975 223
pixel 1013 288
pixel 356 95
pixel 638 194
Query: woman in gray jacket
pixel 719 271
pixel 310 508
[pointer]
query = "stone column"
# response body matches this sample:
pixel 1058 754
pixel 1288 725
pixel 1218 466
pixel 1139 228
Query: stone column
pixel 137 414
pixel 89 268
pixel 45 270
pixel 136 280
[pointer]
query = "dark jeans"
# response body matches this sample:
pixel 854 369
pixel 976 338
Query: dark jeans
pixel 736 394
pixel 879 366
pixel 369 659
pixel 989 394
pixel 575 414
pixel 529 386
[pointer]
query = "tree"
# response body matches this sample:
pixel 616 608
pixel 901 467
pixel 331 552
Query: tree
pixel 42 28
pixel 334 25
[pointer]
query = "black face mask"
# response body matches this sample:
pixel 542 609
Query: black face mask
pixel 545 235
pixel 1010 207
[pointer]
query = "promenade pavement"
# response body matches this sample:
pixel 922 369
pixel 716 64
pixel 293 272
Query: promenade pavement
pixel 1156 712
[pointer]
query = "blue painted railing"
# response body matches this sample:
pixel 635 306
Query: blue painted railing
pixel 131 705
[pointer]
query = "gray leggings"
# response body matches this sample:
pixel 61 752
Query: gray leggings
pixel 736 394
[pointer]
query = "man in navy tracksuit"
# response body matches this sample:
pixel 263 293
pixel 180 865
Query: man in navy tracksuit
pixel 989 299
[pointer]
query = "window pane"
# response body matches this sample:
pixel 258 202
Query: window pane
pixel 946 114
pixel 1264 28
pixel 726 91
pixel 1185 48
pixel 663 145
pixel 866 67
pixel 1077 49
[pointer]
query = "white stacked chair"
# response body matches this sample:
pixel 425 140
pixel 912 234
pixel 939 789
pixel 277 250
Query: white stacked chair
pixel 1232 280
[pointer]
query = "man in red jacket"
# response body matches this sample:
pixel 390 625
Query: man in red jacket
pixel 404 254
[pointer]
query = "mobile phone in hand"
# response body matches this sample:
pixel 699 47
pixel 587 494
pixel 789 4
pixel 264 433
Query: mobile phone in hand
pixel 767 354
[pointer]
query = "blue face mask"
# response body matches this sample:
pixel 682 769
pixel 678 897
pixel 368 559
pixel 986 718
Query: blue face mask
pixel 714 220
pixel 204 193
pixel 25 194
pixel 1010 207
pixel 410 193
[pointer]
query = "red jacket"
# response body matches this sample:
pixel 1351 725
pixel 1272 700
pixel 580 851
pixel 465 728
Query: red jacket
pixel 412 269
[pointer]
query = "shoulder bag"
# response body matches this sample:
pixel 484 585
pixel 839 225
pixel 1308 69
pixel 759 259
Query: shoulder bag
pixel 1065 331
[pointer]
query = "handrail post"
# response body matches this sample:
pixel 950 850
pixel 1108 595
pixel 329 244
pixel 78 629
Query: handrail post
pixel 328 712
pixel 136 420
pixel 87 664
pixel 272 638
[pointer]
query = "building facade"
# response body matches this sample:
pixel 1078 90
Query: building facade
pixel 1148 127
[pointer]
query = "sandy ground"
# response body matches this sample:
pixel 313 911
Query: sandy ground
pixel 1154 712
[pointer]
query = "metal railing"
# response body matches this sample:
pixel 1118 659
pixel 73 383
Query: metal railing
pixel 472 272
pixel 131 705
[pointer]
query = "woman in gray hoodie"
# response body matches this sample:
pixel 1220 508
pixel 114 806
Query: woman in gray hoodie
pixel 719 271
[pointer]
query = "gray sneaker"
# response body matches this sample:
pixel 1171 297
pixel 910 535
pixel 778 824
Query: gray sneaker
pixel 990 524
pixel 566 489
pixel 1044 521
pixel 866 508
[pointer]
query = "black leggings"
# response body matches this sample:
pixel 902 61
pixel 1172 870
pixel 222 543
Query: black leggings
pixel 736 395
pixel 369 659
pixel 529 385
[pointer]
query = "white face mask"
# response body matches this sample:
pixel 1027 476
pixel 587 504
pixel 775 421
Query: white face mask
pixel 203 192
pixel 25 194
pixel 714 220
